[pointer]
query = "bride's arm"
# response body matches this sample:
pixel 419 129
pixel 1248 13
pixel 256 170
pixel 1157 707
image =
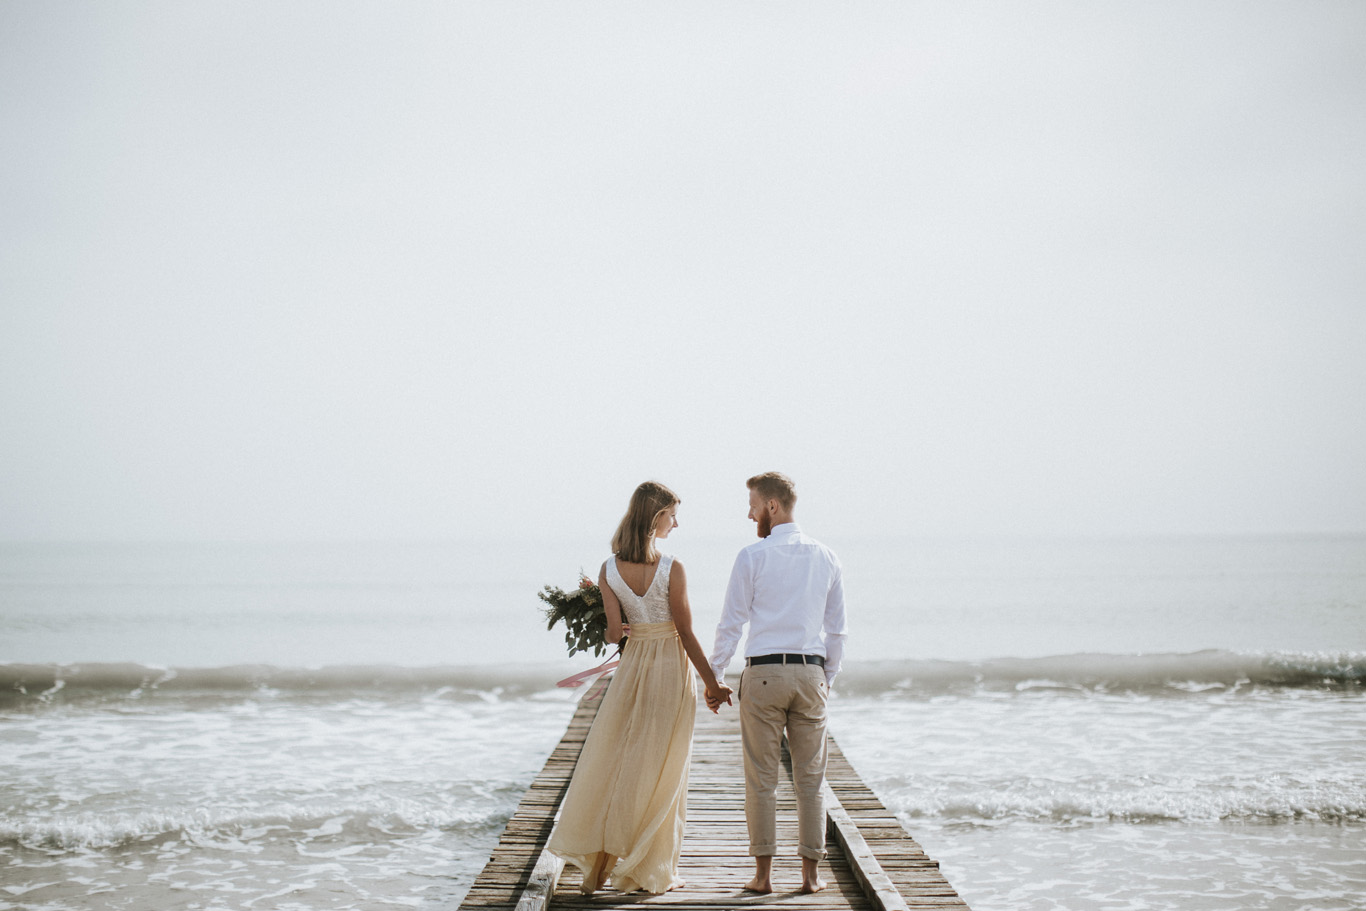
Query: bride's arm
pixel 682 614
pixel 611 605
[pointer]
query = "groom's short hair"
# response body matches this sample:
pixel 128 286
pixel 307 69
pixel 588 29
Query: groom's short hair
pixel 774 485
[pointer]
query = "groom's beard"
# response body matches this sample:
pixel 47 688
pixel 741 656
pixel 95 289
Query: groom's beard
pixel 765 525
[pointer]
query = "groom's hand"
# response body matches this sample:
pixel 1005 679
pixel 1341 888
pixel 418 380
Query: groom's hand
pixel 717 695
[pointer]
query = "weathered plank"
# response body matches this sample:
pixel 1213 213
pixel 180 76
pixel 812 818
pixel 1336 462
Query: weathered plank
pixel 871 877
pixel 544 877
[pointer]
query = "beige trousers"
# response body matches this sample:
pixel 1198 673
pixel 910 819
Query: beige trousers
pixel 775 698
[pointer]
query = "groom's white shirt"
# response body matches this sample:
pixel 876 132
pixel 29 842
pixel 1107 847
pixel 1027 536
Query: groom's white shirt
pixel 789 588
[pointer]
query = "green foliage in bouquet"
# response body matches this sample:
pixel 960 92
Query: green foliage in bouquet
pixel 582 613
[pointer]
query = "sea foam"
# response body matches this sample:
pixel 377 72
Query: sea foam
pixel 1193 671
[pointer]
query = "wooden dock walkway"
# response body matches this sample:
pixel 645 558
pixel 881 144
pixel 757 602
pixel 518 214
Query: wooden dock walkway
pixel 873 864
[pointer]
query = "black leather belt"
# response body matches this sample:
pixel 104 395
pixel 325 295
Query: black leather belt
pixel 786 659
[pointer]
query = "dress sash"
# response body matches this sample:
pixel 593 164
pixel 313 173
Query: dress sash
pixel 644 632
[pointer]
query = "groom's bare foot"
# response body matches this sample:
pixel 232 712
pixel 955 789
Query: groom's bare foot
pixel 762 881
pixel 759 884
pixel 811 877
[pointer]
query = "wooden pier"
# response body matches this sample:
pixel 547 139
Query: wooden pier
pixel 873 864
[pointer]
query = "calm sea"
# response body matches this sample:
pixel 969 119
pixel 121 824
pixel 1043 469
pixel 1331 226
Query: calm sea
pixel 1077 724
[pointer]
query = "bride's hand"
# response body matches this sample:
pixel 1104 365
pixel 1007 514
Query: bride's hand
pixel 717 695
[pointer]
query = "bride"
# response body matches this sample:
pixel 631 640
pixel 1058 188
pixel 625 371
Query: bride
pixel 624 813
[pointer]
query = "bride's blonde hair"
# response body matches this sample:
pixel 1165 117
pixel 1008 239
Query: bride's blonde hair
pixel 634 541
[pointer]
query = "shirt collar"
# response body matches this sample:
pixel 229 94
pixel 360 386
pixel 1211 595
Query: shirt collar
pixel 787 528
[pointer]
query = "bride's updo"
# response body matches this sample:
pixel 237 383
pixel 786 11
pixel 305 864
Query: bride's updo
pixel 634 541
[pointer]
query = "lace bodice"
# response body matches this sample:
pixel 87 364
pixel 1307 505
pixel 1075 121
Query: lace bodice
pixel 653 606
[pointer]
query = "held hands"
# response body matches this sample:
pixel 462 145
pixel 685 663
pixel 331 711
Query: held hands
pixel 716 695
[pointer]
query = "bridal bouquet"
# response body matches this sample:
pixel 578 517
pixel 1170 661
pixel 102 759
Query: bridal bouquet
pixel 582 613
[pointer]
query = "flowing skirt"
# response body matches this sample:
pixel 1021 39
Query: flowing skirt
pixel 629 794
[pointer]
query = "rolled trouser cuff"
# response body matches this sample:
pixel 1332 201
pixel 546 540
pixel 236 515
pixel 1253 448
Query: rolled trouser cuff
pixel 762 850
pixel 809 853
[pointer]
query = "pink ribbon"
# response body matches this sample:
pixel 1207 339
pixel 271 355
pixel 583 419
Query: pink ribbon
pixel 593 673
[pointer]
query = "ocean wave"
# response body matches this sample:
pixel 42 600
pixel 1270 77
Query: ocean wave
pixel 237 829
pixel 1338 802
pixel 318 826
pixel 1192 672
pixel 47 682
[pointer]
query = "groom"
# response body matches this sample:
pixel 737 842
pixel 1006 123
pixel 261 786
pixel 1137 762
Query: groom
pixel 789 589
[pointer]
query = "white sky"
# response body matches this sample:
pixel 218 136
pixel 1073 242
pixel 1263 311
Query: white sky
pixel 327 270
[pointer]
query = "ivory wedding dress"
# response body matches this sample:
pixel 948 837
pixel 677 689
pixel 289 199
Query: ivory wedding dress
pixel 628 797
